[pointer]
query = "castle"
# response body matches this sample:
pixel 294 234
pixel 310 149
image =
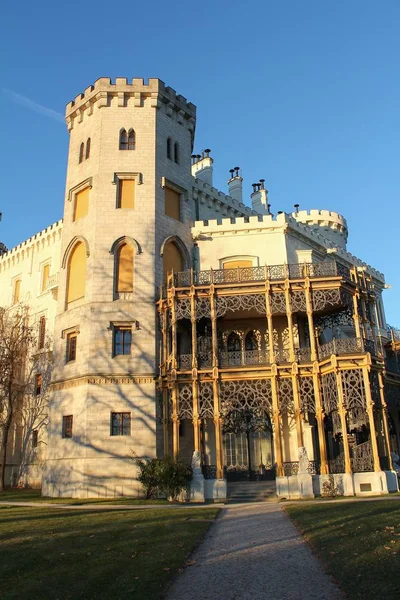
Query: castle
pixel 183 321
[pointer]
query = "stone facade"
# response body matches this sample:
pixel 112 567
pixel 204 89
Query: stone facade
pixel 212 228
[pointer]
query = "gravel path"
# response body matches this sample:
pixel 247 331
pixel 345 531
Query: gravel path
pixel 254 552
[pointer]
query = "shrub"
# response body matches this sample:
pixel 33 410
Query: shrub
pixel 329 488
pixel 168 475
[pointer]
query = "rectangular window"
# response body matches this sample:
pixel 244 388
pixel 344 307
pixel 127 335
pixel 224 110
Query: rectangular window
pixel 67 426
pixel 172 203
pixel 35 438
pixel 42 332
pixel 38 384
pixel 16 291
pixel 45 277
pixel 122 340
pixel 121 423
pixel 81 206
pixel 126 193
pixel 71 346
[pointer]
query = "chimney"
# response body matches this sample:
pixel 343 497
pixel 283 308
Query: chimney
pixel 202 166
pixel 259 198
pixel 235 184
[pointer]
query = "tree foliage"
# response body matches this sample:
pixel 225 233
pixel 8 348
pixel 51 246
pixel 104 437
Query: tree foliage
pixel 168 476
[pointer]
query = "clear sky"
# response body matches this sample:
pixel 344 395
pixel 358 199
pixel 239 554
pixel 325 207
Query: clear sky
pixel 302 93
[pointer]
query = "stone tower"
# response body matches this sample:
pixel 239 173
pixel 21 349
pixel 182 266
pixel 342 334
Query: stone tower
pixel 127 212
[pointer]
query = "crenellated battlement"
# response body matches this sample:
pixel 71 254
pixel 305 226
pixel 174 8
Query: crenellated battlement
pixel 207 193
pixel 103 92
pixel 324 219
pixel 46 237
pixel 281 221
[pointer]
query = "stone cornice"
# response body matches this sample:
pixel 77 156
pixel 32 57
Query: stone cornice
pixel 99 379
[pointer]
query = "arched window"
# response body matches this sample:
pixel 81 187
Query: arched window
pixel 176 153
pixel 173 259
pixel 233 342
pixel 87 154
pixel 81 152
pixel 123 140
pixel 250 342
pixel 131 140
pixel 169 148
pixel 125 258
pixel 76 273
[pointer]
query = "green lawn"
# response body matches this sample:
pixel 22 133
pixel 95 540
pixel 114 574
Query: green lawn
pixel 28 495
pixel 359 542
pixel 59 553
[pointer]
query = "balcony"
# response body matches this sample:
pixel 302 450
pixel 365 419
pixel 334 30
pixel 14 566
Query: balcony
pixel 253 274
pixel 251 358
pixel 52 282
pixel 346 346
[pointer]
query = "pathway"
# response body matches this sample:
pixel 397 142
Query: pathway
pixel 253 552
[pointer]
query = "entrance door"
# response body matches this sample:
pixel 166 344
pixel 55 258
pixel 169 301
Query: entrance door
pixel 248 453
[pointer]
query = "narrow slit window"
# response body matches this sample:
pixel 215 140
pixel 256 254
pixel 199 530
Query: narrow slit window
pixel 87 154
pixel 38 384
pixel 17 291
pixel 169 148
pixel 131 140
pixel 176 153
pixel 67 425
pixel 125 269
pixel 71 346
pixel 81 152
pixel 123 140
pixel 42 332
pixel 45 277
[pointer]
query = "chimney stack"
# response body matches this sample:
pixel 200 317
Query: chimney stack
pixel 235 184
pixel 259 198
pixel 202 166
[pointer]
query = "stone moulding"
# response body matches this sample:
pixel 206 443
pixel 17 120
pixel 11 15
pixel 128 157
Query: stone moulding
pixel 102 380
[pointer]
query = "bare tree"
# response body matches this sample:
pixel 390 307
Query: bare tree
pixel 25 372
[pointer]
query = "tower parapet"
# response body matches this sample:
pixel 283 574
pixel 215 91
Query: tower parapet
pixel 104 92
pixel 329 224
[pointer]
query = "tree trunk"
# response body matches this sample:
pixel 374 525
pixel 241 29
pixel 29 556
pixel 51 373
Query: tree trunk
pixel 3 450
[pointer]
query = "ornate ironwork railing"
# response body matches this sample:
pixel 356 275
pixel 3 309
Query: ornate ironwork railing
pixel 329 268
pixel 209 471
pixel 185 362
pixel 336 465
pixel 303 355
pixel 292 468
pixel 345 346
pixel 239 358
pixel 361 458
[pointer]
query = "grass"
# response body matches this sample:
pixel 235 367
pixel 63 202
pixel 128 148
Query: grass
pixel 28 495
pixel 95 554
pixel 358 542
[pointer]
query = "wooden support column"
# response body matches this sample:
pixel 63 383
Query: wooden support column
pixel 342 414
pixel 277 426
pixel 356 316
pixel 174 327
pixel 310 319
pixel 195 383
pixel 370 412
pixel 218 431
pixel 175 419
pixel 270 323
pixel 196 420
pixel 165 421
pixel 164 334
pixel 289 317
pixel 385 419
pixel 297 406
pixel 194 326
pixel 214 331
pixel 319 415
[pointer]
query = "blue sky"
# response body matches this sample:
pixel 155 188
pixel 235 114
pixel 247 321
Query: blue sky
pixel 302 93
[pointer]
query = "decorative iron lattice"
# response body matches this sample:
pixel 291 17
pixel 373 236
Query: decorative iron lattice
pixel 354 398
pixel 285 396
pixel 303 355
pixel 343 271
pixel 361 458
pixel 375 388
pixel 243 302
pixel 277 271
pixel 336 465
pixel 347 300
pixel 298 301
pixel 291 468
pixel 344 318
pixel 185 403
pixel 182 279
pixel 206 400
pixel 341 346
pixel 203 308
pixel 246 405
pixel 322 299
pixel 326 268
pixel 329 393
pixel 307 398
pixel 183 309
pixel 278 303
pixel 392 395
pixel 209 471
pixel 282 356
pixel 185 362
pixel 204 360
